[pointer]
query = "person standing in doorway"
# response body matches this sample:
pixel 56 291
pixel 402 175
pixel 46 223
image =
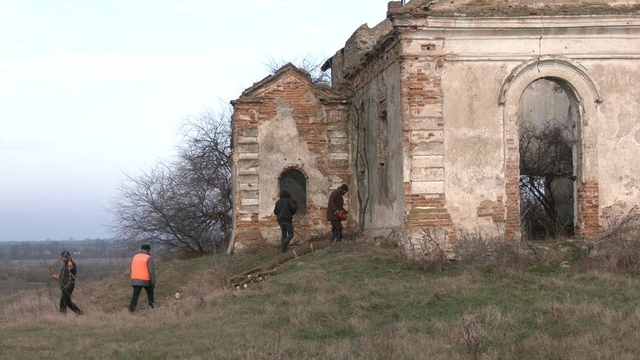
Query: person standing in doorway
pixel 284 211
pixel 143 276
pixel 67 282
pixel 334 209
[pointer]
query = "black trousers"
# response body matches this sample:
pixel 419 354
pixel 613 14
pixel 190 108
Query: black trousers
pixel 136 295
pixel 287 234
pixel 65 300
pixel 336 230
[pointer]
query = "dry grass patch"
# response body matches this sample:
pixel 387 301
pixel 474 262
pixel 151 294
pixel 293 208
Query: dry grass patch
pixel 352 300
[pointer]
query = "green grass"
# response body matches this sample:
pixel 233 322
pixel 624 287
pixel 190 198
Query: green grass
pixel 351 300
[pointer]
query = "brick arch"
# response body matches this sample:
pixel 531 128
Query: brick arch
pixel 584 93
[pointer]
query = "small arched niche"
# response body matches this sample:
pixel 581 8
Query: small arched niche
pixel 294 181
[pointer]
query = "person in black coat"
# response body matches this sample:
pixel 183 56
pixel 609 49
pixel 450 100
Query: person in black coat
pixel 67 282
pixel 284 210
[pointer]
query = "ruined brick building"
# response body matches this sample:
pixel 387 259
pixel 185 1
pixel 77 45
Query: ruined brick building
pixel 422 120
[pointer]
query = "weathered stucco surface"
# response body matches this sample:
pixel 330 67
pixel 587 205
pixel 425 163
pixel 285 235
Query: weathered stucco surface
pixel 618 130
pixel 281 147
pixel 380 150
pixel 474 155
pixel 426 108
pixel 286 122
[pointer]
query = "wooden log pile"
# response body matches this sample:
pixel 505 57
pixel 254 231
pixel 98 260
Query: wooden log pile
pixel 260 273
pixel 242 282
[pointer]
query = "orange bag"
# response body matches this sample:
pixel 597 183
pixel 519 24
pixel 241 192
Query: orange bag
pixel 341 214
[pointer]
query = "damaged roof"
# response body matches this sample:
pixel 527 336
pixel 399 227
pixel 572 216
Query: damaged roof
pixel 492 8
pixel 251 93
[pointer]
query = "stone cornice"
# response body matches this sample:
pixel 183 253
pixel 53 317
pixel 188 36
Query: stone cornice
pixel 504 23
pixel 513 8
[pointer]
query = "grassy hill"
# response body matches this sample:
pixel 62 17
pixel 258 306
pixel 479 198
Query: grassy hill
pixel 351 300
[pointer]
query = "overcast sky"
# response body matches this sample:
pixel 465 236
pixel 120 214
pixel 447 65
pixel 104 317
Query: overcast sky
pixel 92 90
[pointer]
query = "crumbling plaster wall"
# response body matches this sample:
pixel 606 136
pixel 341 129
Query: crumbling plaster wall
pixel 349 59
pixel 455 68
pixel 619 130
pixel 446 78
pixel 473 140
pixel 479 56
pixel 381 171
pixel 285 122
pixel 282 147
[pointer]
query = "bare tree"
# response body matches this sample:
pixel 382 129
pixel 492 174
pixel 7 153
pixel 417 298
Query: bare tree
pixel 206 156
pixel 312 64
pixel 546 157
pixel 183 206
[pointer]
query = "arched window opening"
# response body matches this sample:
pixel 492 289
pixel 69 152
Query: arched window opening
pixel 294 181
pixel 547 136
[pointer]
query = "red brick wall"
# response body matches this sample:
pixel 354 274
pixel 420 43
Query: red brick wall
pixel 420 89
pixel 588 209
pixel 321 126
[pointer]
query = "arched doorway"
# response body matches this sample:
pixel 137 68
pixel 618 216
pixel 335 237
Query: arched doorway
pixel 547 124
pixel 584 99
pixel 294 181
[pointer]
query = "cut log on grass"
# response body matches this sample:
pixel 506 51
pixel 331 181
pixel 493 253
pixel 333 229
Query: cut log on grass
pixel 302 249
pixel 245 274
pixel 257 277
pixel 240 281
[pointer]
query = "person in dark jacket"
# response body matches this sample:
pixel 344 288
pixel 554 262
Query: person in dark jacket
pixel 143 276
pixel 67 281
pixel 284 211
pixel 336 203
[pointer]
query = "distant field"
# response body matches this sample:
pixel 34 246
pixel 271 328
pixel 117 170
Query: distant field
pixel 16 275
pixel 12 287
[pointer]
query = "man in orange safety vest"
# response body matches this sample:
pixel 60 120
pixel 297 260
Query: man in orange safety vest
pixel 143 275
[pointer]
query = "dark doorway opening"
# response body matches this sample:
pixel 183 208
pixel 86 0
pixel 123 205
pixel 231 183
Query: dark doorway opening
pixel 547 145
pixel 295 182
